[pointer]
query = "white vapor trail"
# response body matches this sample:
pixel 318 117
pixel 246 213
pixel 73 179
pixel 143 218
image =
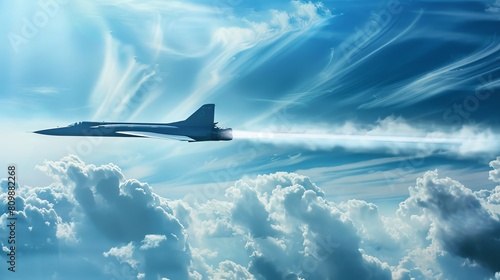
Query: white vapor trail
pixel 345 137
pixel 457 143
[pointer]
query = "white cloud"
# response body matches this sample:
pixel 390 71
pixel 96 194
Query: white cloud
pixel 291 231
pixel 495 173
pixel 452 76
pixel 245 43
pixel 274 226
pixel 230 270
pixel 460 222
pixel 95 209
pixel 42 90
pixel 378 237
pixel 172 36
pixel 152 241
pixel 123 254
pixel 123 84
pixel 66 231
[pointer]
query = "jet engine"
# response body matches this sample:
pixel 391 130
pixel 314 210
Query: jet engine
pixel 222 134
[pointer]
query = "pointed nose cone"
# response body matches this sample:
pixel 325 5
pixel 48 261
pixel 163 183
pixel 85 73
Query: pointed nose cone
pixel 51 131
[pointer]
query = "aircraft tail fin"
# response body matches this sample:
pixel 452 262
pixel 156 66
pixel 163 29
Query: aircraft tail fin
pixel 204 116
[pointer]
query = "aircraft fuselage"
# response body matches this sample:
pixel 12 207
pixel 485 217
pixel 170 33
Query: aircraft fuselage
pixel 198 127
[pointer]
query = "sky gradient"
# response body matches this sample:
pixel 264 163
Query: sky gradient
pixel 365 139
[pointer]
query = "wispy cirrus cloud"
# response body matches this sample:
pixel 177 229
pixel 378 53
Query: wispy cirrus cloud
pixel 453 76
pixel 240 45
pixel 42 90
pixel 191 32
pixel 120 81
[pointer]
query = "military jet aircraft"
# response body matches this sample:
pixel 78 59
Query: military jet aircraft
pixel 200 126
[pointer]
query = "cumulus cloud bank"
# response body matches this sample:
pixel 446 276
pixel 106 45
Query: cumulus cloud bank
pixel 94 222
pixel 106 218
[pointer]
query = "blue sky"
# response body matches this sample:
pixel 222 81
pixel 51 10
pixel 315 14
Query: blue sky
pixel 367 114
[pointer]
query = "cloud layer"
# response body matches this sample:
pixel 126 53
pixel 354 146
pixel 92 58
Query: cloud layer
pixel 106 218
pixel 99 224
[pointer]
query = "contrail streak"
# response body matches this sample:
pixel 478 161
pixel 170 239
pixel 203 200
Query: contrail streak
pixel 462 143
pixel 346 137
